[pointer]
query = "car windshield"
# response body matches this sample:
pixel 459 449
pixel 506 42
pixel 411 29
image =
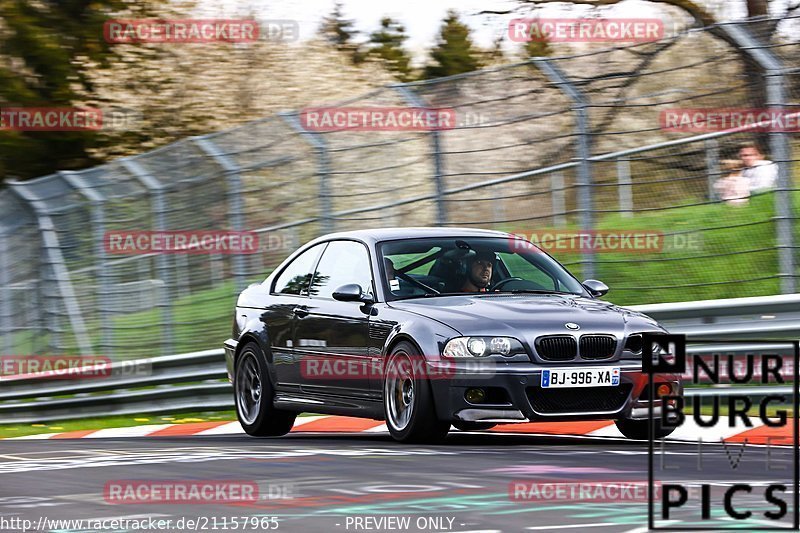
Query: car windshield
pixel 416 268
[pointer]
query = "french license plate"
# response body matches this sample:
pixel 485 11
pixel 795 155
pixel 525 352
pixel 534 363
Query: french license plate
pixel 580 377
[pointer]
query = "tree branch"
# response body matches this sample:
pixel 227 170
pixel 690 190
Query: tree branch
pixel 701 15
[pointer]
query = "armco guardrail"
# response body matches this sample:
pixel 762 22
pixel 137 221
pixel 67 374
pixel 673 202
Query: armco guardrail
pixel 173 383
pixel 195 381
pixel 756 318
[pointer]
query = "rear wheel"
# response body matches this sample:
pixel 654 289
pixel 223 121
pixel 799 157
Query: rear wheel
pixel 408 400
pixel 639 430
pixel 253 394
pixel 473 426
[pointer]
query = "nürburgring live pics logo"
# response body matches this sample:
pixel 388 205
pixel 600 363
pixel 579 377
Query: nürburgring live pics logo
pixel 746 384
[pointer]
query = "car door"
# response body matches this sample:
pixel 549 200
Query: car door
pixel 333 336
pixel 289 296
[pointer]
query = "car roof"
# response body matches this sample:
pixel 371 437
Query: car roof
pixel 389 234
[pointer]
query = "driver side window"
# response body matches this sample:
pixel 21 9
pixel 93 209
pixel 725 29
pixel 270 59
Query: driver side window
pixel 342 262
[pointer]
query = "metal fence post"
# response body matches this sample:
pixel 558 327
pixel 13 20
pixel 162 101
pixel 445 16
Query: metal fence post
pixel 6 316
pixel 583 153
pixel 774 74
pixel 51 251
pixel 559 199
pixel 414 100
pixel 96 201
pixel 159 209
pixel 233 178
pixel 625 187
pixel 323 167
pixel 712 166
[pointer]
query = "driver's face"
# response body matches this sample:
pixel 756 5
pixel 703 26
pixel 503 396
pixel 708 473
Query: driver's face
pixel 481 272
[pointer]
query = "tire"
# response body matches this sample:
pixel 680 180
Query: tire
pixel 408 401
pixel 473 426
pixel 253 395
pixel 638 429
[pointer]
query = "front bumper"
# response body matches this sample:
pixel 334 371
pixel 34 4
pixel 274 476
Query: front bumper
pixel 230 352
pixel 513 394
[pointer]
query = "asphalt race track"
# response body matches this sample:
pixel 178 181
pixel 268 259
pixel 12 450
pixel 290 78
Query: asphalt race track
pixel 367 482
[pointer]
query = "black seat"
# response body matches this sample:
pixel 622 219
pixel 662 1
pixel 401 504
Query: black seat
pixel 450 271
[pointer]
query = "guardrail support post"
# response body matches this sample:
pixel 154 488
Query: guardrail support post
pixel 158 208
pixel 233 179
pixel 774 74
pixel 436 149
pixel 583 153
pixel 323 167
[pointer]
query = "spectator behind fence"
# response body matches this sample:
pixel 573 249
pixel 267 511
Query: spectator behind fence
pixel 759 172
pixel 733 187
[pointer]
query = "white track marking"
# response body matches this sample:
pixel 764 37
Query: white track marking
pixel 133 431
pixel 40 436
pixel 380 428
pixel 608 431
pixel 231 428
pixel 689 431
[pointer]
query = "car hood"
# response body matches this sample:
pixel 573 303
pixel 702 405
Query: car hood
pixel 528 315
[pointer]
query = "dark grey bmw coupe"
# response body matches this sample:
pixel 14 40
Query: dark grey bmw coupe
pixel 431 327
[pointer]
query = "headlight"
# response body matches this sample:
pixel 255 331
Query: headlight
pixel 482 347
pixel 476 346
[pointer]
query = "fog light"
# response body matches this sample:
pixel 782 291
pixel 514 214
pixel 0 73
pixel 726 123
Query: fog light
pixel 663 390
pixel 475 395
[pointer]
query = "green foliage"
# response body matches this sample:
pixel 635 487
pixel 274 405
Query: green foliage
pixel 43 47
pixel 535 48
pixel 387 43
pixel 336 29
pixel 730 249
pixel 454 53
pixel 340 32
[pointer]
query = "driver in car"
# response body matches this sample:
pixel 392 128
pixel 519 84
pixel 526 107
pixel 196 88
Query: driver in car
pixel 479 272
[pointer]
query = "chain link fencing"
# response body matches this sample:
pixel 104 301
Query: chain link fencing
pixel 544 147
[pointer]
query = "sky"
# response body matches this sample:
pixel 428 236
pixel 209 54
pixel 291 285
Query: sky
pixel 422 18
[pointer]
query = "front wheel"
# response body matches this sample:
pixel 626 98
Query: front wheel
pixel 408 400
pixel 253 395
pixel 639 430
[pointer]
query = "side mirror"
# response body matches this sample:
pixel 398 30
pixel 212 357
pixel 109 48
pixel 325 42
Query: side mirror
pixel 595 288
pixel 352 292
